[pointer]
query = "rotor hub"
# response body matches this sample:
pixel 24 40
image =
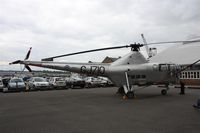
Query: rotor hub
pixel 136 46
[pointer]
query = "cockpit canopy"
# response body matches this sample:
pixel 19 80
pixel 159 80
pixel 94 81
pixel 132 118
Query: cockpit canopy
pixel 166 67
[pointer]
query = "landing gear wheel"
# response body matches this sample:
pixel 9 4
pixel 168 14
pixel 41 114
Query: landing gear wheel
pixel 130 95
pixel 163 92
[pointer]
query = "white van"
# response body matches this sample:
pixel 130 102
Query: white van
pixel 57 82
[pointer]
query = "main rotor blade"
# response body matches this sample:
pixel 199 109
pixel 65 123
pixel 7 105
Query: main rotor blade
pixel 189 65
pixel 82 52
pixel 133 46
pixel 173 42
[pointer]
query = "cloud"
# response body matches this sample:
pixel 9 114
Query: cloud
pixel 65 26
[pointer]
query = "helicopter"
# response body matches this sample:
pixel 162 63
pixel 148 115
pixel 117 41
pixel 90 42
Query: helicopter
pixel 126 72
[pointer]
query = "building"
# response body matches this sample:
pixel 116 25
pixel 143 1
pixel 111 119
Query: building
pixel 109 59
pixel 183 54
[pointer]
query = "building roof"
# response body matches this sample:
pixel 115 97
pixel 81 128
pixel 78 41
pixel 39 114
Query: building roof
pixel 109 60
pixel 179 54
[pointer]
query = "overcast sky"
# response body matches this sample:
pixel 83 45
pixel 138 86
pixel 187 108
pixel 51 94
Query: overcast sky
pixel 54 27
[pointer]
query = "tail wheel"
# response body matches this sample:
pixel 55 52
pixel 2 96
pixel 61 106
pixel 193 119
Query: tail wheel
pixel 130 95
pixel 163 92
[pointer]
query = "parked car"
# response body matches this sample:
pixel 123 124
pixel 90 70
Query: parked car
pixel 57 82
pixel 92 82
pixel 15 84
pixel 105 82
pixel 38 83
pixel 74 82
pixel 5 81
pixel 1 85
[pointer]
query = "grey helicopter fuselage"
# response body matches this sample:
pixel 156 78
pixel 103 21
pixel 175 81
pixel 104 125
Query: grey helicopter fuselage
pixel 133 67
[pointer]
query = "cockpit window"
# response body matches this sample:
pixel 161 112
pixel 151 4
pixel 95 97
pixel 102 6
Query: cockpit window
pixel 167 67
pixel 163 67
pixel 155 67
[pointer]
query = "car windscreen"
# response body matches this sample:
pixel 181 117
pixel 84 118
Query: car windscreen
pixel 60 79
pixel 76 78
pixel 16 80
pixel 39 80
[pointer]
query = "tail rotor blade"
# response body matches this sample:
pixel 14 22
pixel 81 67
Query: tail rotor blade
pixel 28 68
pixel 15 62
pixel 28 54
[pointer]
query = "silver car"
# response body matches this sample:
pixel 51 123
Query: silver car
pixel 16 84
pixel 38 83
pixel 57 82
pixel 1 85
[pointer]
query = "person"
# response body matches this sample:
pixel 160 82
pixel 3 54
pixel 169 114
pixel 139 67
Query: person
pixel 197 106
pixel 182 92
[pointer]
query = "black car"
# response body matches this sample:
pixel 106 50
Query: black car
pixel 5 81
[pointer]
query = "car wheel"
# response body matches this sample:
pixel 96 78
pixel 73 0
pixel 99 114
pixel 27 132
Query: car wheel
pixel 72 86
pixel 33 87
pixel 89 85
pixel 4 90
pixel 82 86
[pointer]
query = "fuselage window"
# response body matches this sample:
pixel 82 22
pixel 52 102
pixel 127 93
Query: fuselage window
pixel 143 76
pixel 137 76
pixel 155 67
pixel 133 76
pixel 163 67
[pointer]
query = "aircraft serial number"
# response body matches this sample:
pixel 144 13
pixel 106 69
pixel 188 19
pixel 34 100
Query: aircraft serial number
pixel 93 69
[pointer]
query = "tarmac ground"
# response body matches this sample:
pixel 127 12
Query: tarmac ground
pixel 99 110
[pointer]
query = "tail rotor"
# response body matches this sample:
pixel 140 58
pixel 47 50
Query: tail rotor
pixel 22 62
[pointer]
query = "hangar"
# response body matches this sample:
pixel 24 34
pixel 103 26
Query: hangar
pixel 183 54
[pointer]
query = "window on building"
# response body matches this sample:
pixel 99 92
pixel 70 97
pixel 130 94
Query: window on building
pixel 183 75
pixel 186 75
pixel 189 75
pixel 198 75
pixel 195 75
